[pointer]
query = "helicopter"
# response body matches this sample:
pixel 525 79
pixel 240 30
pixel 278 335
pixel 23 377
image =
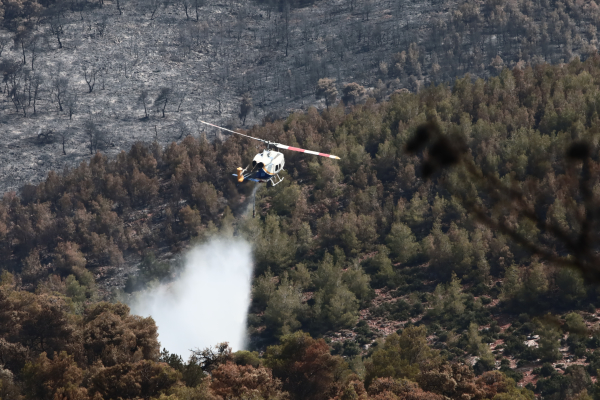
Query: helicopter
pixel 266 165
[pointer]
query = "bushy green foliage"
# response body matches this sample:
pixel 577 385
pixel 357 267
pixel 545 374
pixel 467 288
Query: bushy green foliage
pixel 301 276
pixel 476 347
pixel 549 344
pixel 336 306
pixel 573 382
pixel 513 374
pixel 363 332
pixel 401 356
pixel 191 371
pixel 448 300
pixel 397 311
pixel 358 282
pixel 285 308
pixel 571 285
pixel 274 248
pixel 244 357
pixel 263 288
pixel 402 242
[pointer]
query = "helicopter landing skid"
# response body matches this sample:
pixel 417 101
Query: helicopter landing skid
pixel 275 180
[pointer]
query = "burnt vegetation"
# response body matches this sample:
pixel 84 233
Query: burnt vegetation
pixel 145 69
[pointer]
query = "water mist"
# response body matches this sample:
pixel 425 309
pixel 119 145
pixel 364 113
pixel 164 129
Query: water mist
pixel 253 199
pixel 208 303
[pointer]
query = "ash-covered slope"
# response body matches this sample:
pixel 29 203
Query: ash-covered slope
pixel 234 61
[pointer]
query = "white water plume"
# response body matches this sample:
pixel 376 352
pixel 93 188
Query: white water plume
pixel 208 303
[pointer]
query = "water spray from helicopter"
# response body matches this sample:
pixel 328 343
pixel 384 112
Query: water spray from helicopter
pixel 208 303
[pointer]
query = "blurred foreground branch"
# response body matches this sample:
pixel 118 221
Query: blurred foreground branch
pixel 498 204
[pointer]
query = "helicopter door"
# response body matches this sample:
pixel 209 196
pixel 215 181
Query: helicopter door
pixel 276 179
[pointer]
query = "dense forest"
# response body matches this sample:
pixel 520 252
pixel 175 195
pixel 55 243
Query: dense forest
pixel 366 270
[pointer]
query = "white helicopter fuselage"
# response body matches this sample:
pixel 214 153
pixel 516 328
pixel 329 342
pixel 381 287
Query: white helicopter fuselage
pixel 265 167
pixel 270 161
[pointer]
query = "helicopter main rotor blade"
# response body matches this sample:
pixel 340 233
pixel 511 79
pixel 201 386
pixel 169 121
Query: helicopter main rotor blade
pixel 316 153
pixel 237 133
pixel 278 145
